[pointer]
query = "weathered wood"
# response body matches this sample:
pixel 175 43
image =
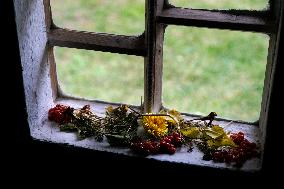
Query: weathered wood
pixel 130 45
pixel 154 59
pixel 273 51
pixel 149 59
pixel 47 14
pixel 233 20
pixel 52 72
pixel 272 114
pixel 158 82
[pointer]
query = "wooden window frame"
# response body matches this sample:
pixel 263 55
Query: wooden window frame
pixel 158 15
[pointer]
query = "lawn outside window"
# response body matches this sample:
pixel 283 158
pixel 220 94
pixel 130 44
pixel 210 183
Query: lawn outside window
pixel 38 36
pixel 103 73
pixel 215 71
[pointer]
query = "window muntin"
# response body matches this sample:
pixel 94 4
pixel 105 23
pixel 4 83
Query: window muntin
pixel 219 70
pixel 100 76
pixel 105 16
pixel 222 4
pixel 259 88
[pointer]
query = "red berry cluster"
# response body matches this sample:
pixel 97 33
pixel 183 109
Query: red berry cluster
pixel 238 155
pixel 237 137
pixel 59 114
pixel 167 145
pixel 145 148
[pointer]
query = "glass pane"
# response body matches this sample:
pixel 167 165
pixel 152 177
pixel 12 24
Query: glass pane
pixel 222 4
pixel 120 17
pixel 101 76
pixel 214 70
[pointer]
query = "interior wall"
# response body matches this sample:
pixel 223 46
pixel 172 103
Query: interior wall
pixel 32 38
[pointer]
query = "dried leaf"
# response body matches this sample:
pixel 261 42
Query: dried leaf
pixel 191 132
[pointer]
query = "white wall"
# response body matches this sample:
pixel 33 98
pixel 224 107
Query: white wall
pixel 33 50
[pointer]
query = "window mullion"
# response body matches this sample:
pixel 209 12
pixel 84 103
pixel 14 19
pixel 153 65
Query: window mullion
pixel 277 14
pixel 153 69
pixel 47 14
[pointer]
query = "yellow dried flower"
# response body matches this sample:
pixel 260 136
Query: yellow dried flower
pixel 155 125
pixel 109 109
pixel 176 114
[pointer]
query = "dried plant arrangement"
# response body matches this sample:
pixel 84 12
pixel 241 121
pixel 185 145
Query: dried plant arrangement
pixel 156 133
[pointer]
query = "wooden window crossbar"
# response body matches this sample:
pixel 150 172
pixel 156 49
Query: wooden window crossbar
pixel 256 21
pixel 130 45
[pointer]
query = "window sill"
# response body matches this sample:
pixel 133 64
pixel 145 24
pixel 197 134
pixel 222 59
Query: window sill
pixel 49 132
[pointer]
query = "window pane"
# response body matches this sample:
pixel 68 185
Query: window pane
pixel 214 70
pixel 101 76
pixel 120 17
pixel 222 4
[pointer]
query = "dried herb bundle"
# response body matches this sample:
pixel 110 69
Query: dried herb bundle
pixel 82 120
pixel 120 125
pixel 164 132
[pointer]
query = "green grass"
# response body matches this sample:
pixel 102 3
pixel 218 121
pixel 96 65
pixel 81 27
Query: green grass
pixel 204 69
pixel 107 16
pixel 102 76
pixel 214 70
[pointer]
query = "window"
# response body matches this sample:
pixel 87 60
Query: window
pixel 101 74
pixel 164 17
pixel 100 16
pixel 213 69
pixel 39 66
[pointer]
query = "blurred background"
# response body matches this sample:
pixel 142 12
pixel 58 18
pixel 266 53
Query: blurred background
pixel 204 69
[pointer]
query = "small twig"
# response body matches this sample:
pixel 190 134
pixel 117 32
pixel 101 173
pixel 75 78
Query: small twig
pixel 134 111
